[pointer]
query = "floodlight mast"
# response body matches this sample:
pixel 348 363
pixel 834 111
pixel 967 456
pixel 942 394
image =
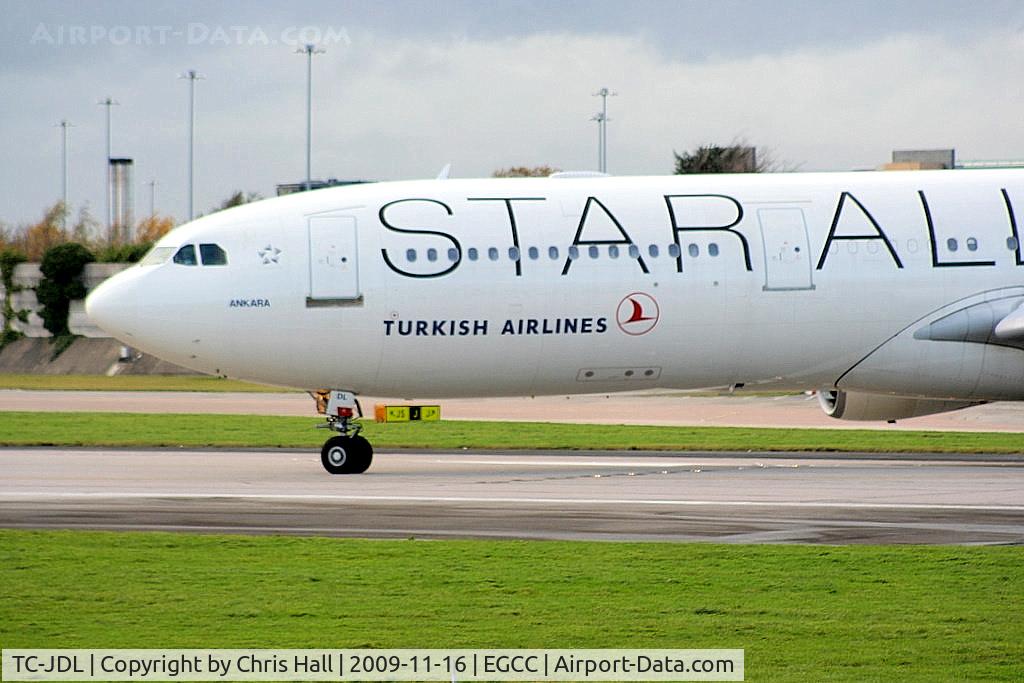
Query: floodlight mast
pixel 64 125
pixel 152 197
pixel 309 49
pixel 192 75
pixel 108 102
pixel 599 117
pixel 602 124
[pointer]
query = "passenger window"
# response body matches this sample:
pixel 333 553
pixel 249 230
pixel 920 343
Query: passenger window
pixel 471 253
pixel 492 253
pixel 594 251
pixel 431 255
pixel 694 250
pixel 534 253
pixel 653 250
pixel 453 254
pixel 513 253
pixel 553 253
pixel 574 253
pixel 186 256
pixel 613 251
pixel 951 244
pixel 410 255
pixel 972 244
pixel 1011 243
pixel 673 250
pixel 634 251
pixel 213 255
pixel 713 249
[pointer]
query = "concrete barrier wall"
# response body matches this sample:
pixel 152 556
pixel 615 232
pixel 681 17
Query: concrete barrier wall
pixel 27 276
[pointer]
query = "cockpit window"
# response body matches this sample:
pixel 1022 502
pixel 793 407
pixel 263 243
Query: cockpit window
pixel 186 256
pixel 213 255
pixel 157 256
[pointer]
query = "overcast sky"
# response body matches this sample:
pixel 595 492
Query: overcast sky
pixel 407 87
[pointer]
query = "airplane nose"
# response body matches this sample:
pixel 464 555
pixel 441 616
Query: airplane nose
pixel 112 306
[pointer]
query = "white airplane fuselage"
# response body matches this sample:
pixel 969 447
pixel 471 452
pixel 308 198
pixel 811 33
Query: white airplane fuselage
pixel 887 283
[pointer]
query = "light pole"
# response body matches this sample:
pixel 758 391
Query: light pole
pixel 152 197
pixel 602 122
pixel 108 102
pixel 64 125
pixel 309 49
pixel 599 117
pixel 192 75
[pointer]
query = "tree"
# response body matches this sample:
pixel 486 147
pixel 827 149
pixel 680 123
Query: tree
pixel 85 227
pixel 152 228
pixel 123 253
pixel 237 199
pixel 738 157
pixel 46 233
pixel 62 269
pixel 525 172
pixel 9 259
pixel 8 236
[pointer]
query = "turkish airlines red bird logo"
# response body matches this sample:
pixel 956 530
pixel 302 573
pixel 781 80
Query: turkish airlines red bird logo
pixel 637 314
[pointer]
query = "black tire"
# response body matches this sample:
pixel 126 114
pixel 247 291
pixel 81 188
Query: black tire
pixel 363 452
pixel 346 455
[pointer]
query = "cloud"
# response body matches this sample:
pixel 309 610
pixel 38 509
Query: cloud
pixel 388 108
pixel 484 105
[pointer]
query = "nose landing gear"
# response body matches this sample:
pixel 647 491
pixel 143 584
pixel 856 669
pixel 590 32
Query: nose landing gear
pixel 347 453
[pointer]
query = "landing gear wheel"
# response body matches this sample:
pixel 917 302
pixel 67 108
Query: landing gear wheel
pixel 346 455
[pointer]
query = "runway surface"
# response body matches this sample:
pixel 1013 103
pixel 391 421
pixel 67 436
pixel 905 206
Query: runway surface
pixel 604 495
pixel 651 408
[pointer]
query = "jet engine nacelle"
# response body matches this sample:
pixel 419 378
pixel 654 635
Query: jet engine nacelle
pixel 849 405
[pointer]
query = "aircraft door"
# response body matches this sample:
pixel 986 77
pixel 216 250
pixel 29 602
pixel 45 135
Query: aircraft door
pixel 787 253
pixel 333 261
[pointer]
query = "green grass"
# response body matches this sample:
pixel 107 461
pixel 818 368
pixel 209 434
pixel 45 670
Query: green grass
pixel 800 612
pixel 120 429
pixel 129 383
